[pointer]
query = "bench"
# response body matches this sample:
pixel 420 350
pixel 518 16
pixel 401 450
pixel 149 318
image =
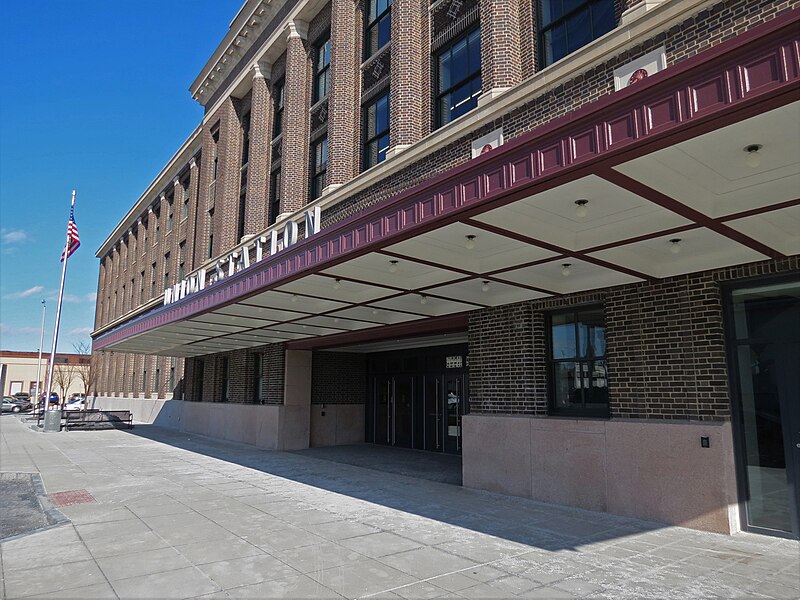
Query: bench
pixel 97 419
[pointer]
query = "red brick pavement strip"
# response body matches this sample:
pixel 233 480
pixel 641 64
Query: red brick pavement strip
pixel 71 497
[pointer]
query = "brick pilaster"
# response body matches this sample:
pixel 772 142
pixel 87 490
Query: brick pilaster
pixel 227 204
pixel 343 110
pixel 260 152
pixel 500 46
pixel 409 120
pixel 295 142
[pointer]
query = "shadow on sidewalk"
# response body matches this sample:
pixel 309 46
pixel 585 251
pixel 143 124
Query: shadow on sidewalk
pixel 537 524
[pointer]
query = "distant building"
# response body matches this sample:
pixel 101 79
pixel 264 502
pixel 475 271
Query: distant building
pixel 557 238
pixel 20 370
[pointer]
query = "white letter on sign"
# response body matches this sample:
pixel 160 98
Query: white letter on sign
pixel 289 234
pixel 313 219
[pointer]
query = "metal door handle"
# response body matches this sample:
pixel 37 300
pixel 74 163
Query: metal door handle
pixel 438 420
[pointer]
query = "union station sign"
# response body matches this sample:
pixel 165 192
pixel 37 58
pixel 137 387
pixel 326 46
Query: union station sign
pixel 260 247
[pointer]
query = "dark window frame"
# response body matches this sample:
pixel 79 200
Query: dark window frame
pixel 278 105
pixel 552 408
pixel 322 74
pixel 225 379
pixel 275 195
pixel 318 174
pixel 373 25
pixel 366 155
pixel 541 30
pixel 440 94
pixel 259 378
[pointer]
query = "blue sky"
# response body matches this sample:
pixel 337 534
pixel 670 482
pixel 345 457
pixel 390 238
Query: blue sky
pixel 93 97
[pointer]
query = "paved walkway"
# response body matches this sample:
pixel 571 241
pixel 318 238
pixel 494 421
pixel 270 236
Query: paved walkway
pixel 178 516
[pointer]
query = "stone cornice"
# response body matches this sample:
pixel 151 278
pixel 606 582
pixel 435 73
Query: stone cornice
pixel 244 30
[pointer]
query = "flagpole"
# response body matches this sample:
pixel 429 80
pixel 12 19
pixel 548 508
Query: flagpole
pixel 39 364
pixel 58 315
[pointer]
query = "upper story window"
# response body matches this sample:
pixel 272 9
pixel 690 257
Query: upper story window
pixel 322 69
pixel 578 368
pixel 181 260
pixel 458 78
pixel 277 108
pixel 378 26
pixel 215 154
pixel 157 220
pixel 275 196
pixel 245 139
pixel 376 131
pixel 185 205
pixel 210 247
pixel 170 214
pixel 319 166
pixel 566 25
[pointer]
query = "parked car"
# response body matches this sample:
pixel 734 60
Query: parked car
pixel 54 399
pixel 76 403
pixel 11 404
pixel 22 396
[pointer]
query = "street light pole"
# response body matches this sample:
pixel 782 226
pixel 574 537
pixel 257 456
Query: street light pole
pixel 39 365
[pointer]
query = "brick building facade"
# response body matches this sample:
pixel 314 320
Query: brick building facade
pixel 580 210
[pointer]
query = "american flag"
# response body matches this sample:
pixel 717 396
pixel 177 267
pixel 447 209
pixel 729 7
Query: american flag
pixel 73 240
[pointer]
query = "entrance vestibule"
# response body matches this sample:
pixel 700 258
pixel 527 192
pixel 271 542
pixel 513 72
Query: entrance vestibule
pixel 418 398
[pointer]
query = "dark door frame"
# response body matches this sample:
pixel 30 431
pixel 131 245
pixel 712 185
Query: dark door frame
pixel 737 416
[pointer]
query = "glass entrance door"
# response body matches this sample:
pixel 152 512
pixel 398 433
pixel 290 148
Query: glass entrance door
pixel 765 363
pixel 454 409
pixel 393 411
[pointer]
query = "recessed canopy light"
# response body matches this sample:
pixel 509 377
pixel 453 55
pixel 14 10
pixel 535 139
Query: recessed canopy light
pixel 392 266
pixel 470 243
pixel 566 269
pixel 423 300
pixel 485 286
pixel 675 245
pixel 753 158
pixel 581 210
pixel 337 284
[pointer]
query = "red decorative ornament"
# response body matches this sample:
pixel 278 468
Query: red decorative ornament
pixel 637 76
pixel 486 148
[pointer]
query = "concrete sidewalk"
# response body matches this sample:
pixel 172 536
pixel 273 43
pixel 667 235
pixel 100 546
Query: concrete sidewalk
pixel 172 515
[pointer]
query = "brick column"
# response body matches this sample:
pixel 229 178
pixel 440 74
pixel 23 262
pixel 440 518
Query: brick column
pixel 409 119
pixel 164 244
pixel 205 201
pixel 260 151
pixel 114 280
pixel 343 104
pixel 295 142
pixel 227 203
pixel 123 275
pixel 148 252
pixel 500 47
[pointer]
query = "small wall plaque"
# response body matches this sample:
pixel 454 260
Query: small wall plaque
pixel 454 362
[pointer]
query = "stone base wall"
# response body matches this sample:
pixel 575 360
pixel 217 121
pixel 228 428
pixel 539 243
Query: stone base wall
pixel 264 426
pixel 649 470
pixel 337 424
